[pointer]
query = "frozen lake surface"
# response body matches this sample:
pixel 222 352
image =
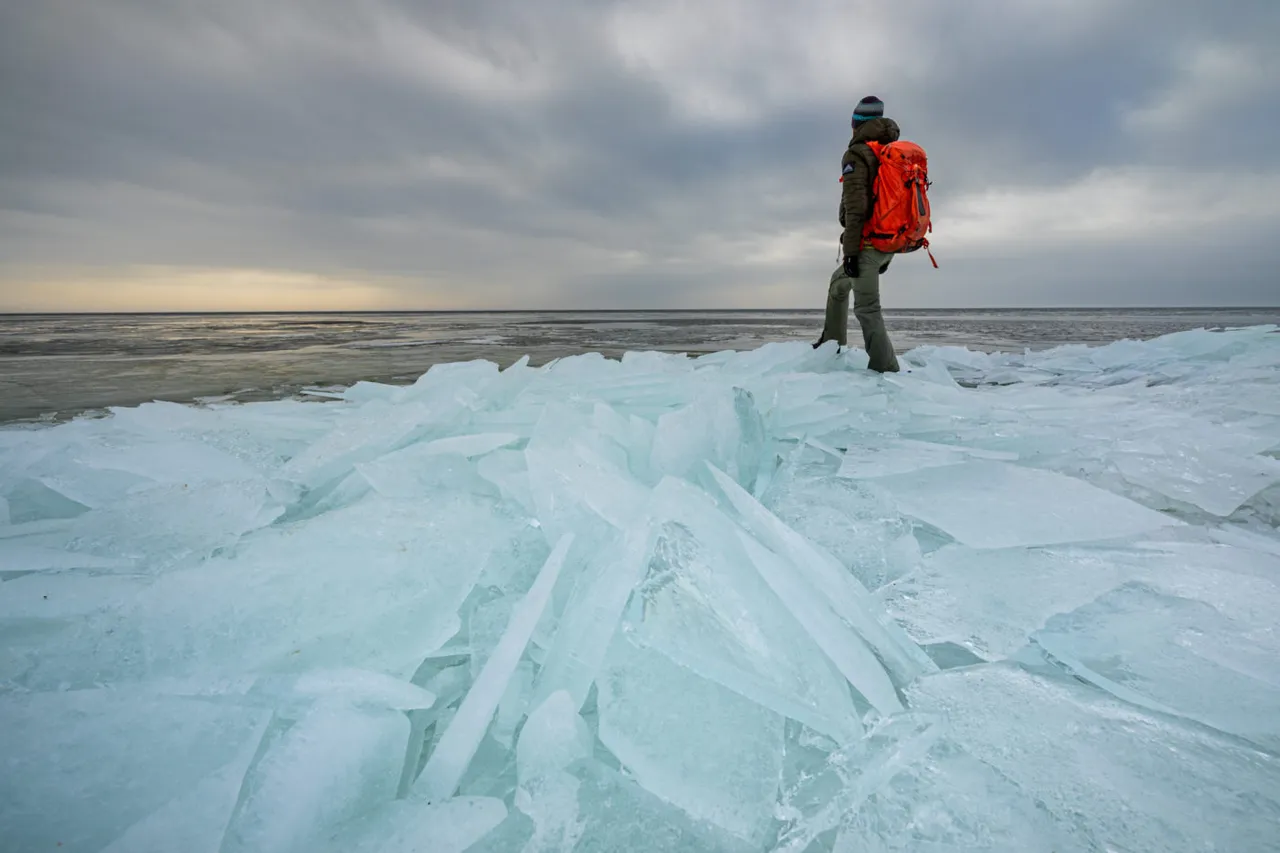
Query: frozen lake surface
pixel 750 601
pixel 57 366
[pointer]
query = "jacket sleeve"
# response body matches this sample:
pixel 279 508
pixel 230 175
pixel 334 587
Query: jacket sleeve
pixel 855 199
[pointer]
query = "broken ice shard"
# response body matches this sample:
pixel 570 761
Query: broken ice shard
pixel 331 766
pixel 443 771
pixel 693 743
pixel 990 504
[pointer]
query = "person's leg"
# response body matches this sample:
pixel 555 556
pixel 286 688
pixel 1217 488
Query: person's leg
pixel 866 307
pixel 837 321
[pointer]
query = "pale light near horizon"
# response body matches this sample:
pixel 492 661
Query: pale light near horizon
pixel 195 289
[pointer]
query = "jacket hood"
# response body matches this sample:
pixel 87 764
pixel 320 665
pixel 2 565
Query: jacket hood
pixel 882 130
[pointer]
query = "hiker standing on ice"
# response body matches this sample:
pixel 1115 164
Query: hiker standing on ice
pixel 867 249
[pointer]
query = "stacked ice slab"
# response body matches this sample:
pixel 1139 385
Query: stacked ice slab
pixel 758 601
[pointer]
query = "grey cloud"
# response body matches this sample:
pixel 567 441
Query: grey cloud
pixel 1237 270
pixel 294 135
pixel 1053 111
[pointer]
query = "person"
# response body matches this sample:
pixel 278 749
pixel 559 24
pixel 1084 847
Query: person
pixel 863 265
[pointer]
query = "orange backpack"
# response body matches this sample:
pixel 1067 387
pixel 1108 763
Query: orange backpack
pixel 900 218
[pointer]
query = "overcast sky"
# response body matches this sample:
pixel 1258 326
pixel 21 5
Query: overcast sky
pixel 369 154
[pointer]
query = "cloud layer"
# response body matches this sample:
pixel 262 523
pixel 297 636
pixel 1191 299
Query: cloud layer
pixel 648 153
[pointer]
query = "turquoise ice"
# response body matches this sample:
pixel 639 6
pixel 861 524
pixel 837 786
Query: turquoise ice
pixel 759 601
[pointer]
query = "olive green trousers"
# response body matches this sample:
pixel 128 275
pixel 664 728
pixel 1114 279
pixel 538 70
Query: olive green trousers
pixel 866 307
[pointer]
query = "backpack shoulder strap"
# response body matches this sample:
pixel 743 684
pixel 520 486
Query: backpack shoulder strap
pixel 868 153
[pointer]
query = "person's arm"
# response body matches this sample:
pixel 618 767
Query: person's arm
pixel 855 196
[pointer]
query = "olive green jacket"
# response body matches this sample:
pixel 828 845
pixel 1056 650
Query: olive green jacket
pixel 858 172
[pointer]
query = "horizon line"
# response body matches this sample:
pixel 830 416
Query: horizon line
pixel 330 311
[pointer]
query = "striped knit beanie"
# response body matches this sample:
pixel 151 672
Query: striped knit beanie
pixel 868 108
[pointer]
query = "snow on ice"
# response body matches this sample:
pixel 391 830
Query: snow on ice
pixel 757 601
